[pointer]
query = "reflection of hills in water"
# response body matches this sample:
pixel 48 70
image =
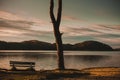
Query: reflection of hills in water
pixel 73 59
pixel 91 58
pixel 84 58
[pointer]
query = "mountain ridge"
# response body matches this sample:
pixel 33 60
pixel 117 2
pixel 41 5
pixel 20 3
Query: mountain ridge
pixel 41 45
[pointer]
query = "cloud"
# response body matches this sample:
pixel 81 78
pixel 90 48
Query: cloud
pixel 32 28
pixel 115 42
pixel 71 31
pixel 14 17
pixel 106 29
pixel 14 24
pixel 18 26
pixel 80 31
pixel 21 21
pixel 19 31
pixel 9 16
pixel 115 27
pixel 71 18
pixel 91 30
pixel 105 33
pixel 109 40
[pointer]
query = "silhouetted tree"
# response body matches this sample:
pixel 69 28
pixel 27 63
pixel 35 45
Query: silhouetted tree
pixel 57 34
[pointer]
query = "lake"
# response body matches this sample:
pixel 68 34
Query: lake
pixel 73 59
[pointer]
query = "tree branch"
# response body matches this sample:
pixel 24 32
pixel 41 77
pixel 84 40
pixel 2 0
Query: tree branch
pixel 52 11
pixel 59 12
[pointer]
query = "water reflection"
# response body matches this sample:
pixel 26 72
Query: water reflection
pixel 90 58
pixel 49 61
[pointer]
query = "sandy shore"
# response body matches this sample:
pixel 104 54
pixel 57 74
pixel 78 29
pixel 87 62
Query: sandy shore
pixel 108 73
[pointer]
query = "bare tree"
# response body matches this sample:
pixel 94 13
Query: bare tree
pixel 57 34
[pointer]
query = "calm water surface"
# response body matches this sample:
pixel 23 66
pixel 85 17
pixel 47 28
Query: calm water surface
pixel 73 59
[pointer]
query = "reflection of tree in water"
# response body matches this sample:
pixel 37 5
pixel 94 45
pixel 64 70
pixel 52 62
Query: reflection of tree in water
pixel 90 58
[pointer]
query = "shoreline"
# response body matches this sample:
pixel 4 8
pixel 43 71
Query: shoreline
pixel 94 73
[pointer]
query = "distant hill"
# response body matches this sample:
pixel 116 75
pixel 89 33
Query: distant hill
pixel 93 46
pixel 39 45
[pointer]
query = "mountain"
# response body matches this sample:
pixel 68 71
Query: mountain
pixel 93 46
pixel 39 45
pixel 26 45
pixel 36 45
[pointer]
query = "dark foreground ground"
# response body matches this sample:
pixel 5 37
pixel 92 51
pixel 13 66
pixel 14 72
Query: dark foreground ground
pixel 69 74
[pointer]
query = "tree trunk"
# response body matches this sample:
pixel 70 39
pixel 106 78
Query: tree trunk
pixel 57 34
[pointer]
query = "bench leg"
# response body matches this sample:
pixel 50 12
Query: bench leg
pixel 13 68
pixel 31 68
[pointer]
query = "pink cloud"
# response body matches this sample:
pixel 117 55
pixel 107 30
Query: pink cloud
pixel 115 42
pixel 72 18
pixel 116 26
pixel 105 29
pixel 9 16
pixel 11 32
pixel 80 31
pixel 25 22
pixel 15 17
pixel 109 40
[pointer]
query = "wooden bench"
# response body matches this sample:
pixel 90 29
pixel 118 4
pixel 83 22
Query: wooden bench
pixel 15 64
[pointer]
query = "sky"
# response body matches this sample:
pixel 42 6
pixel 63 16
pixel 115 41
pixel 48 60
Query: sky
pixel 82 20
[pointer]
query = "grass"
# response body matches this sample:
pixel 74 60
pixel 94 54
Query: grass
pixel 68 74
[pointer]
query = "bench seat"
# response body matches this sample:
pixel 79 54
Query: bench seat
pixel 15 64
